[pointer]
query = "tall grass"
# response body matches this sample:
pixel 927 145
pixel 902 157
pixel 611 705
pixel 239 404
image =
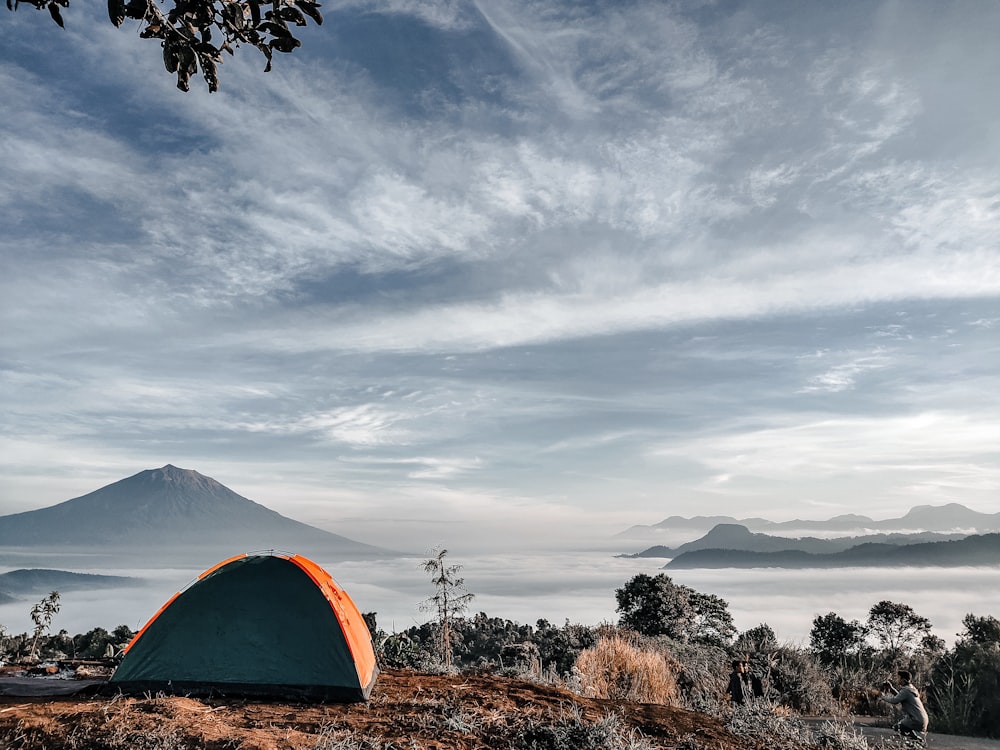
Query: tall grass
pixel 615 668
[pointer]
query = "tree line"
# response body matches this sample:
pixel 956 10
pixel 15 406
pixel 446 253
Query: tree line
pixel 42 646
pixel 841 669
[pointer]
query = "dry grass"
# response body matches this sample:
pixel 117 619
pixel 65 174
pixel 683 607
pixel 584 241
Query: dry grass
pixel 617 669
pixel 408 711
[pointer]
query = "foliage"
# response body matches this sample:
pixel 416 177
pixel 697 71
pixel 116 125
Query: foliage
pixel 703 675
pixel 655 605
pixel 187 28
pixel 559 648
pixel 760 640
pixel 896 627
pixel 449 601
pixel 965 689
pixel 96 643
pixel 960 686
pixel 796 680
pixel 492 642
pixel 42 614
pixel 983 631
pixel 712 622
pixel 617 669
pixel 835 641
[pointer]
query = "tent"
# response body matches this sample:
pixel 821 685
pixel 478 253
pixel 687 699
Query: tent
pixel 254 625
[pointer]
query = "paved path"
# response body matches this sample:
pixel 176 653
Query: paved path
pixel 874 730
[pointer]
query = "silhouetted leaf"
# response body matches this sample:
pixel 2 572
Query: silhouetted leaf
pixel 56 15
pixel 208 70
pixel 274 29
pixel 288 13
pixel 284 43
pixel 170 61
pixel 136 9
pixel 116 11
pixel 311 9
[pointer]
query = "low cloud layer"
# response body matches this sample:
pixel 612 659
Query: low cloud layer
pixel 580 587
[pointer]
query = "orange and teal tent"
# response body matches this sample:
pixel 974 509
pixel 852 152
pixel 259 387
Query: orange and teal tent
pixel 255 625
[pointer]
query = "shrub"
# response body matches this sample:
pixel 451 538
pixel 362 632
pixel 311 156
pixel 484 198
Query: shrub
pixel 559 647
pixel 615 668
pixel 703 672
pixel 965 693
pixel 797 681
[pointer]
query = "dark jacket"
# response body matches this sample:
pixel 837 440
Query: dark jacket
pixel 744 686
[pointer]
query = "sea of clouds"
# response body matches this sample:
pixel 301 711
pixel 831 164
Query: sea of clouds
pixel 578 586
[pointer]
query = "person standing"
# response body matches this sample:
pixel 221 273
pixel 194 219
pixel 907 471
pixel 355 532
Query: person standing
pixel 914 720
pixel 743 685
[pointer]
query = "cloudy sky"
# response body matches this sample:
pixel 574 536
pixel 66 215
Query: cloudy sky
pixel 514 268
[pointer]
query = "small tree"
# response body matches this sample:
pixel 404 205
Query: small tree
pixel 42 614
pixel 655 605
pixel 983 631
pixel 896 627
pixel 450 599
pixel 712 624
pixel 833 639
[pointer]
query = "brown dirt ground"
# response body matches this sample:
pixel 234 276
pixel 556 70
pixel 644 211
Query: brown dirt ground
pixel 409 710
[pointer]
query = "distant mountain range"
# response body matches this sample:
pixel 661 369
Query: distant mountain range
pixel 948 519
pixel 167 509
pixel 980 549
pixel 731 536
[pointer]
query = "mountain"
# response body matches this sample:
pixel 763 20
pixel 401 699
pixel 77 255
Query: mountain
pixel 169 508
pixel 730 536
pixel 951 515
pixel 980 549
pixel 949 518
pixel 33 581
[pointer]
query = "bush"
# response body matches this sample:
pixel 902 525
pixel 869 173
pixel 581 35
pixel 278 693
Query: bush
pixel 965 694
pixel 797 681
pixel 558 648
pixel 703 672
pixel 615 668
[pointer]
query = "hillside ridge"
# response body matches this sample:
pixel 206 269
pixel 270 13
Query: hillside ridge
pixel 947 518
